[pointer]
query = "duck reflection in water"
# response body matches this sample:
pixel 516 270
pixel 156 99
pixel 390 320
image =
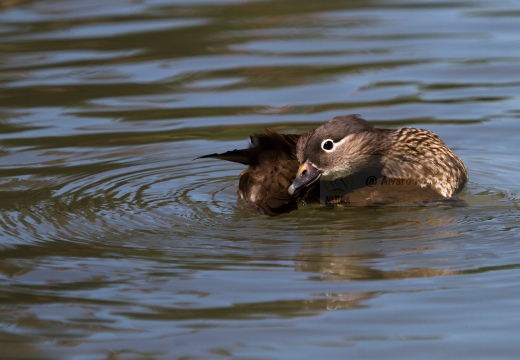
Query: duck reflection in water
pixel 346 161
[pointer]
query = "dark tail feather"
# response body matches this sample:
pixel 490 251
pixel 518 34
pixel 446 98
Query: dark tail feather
pixel 259 143
pixel 242 156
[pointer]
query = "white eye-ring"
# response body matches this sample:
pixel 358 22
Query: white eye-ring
pixel 328 145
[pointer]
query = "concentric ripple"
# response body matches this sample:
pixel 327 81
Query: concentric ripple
pixel 157 191
pixel 159 188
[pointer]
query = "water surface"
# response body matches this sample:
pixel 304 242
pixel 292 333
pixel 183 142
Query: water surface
pixel 116 244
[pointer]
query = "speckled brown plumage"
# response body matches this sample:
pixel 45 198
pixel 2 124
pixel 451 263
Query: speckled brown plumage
pixel 346 161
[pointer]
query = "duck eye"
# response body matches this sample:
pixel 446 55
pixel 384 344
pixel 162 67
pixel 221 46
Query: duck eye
pixel 327 145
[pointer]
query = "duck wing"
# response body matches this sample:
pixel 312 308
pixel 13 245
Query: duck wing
pixel 272 162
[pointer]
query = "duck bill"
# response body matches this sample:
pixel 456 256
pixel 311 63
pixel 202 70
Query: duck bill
pixel 307 174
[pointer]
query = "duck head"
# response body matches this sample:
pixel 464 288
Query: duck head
pixel 343 146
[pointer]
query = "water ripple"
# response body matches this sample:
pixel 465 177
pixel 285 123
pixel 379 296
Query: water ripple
pixel 152 191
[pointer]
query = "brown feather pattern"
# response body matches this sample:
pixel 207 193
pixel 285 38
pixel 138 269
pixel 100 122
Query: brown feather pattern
pixel 272 168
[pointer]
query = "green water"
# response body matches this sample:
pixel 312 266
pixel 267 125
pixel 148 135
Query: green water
pixel 116 244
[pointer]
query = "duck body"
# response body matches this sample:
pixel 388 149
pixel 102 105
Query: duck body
pixel 346 161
